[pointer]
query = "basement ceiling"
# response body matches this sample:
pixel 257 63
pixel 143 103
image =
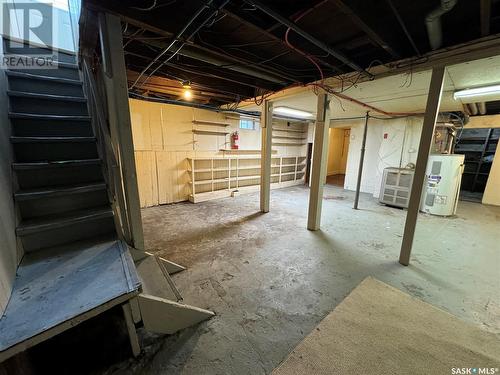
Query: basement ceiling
pixel 240 49
pixel 403 92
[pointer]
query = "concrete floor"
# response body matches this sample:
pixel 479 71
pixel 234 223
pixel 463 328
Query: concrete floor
pixel 271 281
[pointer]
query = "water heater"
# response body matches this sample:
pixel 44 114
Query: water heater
pixel 442 185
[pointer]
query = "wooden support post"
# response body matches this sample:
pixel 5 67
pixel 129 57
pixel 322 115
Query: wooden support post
pixel 361 161
pixel 115 80
pixel 430 117
pixel 132 333
pixel 266 122
pixel 320 156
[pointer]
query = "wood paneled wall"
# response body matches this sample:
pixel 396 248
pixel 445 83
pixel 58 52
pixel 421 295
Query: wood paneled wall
pixel 163 140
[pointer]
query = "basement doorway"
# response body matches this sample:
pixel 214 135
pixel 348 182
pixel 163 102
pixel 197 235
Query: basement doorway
pixel 338 150
pixel 478 146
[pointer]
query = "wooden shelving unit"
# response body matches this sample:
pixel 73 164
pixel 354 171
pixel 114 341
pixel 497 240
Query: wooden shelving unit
pixel 294 135
pixel 212 178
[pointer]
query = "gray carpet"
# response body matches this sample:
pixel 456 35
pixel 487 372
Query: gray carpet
pixel 378 329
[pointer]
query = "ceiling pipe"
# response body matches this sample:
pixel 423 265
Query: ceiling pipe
pixel 473 108
pixel 318 43
pixel 433 23
pixel 481 108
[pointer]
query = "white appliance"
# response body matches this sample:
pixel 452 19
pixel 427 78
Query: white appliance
pixel 396 186
pixel 442 185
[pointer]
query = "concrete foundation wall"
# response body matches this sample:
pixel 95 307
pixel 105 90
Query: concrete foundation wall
pixel 389 143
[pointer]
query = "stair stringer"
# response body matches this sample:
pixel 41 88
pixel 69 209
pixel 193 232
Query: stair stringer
pixel 156 306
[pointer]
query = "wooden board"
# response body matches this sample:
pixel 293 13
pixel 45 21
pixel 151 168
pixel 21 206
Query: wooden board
pixel 61 287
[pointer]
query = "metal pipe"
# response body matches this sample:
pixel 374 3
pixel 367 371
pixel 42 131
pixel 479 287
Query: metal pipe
pixel 176 37
pixel 473 108
pixel 481 108
pixel 433 23
pixel 361 161
pixel 338 55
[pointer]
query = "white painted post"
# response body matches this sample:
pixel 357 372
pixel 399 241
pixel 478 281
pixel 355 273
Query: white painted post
pixel 320 156
pixel 266 122
pixel 430 117
pixel 115 81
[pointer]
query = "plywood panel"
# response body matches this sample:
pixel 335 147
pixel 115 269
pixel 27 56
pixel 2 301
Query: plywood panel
pixel 492 191
pixel 164 140
pixel 166 177
pixel 147 178
pixel 141 132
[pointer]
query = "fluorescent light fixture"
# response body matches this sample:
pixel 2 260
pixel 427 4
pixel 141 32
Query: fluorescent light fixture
pixel 478 91
pixel 287 111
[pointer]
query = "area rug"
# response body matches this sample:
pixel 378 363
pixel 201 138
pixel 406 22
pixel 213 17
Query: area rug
pixel 378 329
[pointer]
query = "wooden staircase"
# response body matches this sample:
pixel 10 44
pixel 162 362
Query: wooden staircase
pixel 75 261
pixel 61 195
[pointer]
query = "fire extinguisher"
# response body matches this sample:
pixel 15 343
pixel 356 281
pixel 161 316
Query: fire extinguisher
pixel 235 138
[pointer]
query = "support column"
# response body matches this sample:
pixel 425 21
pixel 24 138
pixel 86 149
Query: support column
pixel 115 80
pixel 320 156
pixel 361 162
pixel 266 123
pixel 431 113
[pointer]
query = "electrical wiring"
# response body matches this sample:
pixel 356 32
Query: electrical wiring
pixel 154 6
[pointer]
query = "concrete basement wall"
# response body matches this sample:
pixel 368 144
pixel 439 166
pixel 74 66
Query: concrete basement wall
pixel 380 152
pixel 391 152
pixel 163 141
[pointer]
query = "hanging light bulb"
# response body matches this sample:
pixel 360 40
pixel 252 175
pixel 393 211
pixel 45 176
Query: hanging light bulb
pixel 188 94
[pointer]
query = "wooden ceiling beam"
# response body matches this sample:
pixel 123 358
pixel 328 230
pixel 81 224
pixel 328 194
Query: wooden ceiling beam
pixel 275 38
pixel 485 14
pixel 366 27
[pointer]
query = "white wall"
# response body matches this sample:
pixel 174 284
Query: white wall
pixel 380 152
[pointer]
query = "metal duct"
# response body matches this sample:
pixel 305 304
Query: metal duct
pixel 433 23
pixel 482 108
pixel 472 108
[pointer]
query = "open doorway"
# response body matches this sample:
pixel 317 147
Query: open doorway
pixel 478 146
pixel 337 155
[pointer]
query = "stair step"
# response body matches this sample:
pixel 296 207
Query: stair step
pixel 33 116
pixel 47 104
pixel 31 95
pixel 52 139
pixel 11 73
pixel 55 164
pixel 62 220
pixel 41 84
pixel 50 192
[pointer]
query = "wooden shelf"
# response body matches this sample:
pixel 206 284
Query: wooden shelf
pixel 210 132
pixel 288 137
pixel 240 151
pixel 288 144
pixel 211 123
pixel 290 130
pixel 236 173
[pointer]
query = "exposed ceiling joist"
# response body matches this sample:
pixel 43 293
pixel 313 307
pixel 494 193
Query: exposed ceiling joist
pixel 274 37
pixel 364 25
pixel 485 14
pixel 318 43
pixel 200 53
